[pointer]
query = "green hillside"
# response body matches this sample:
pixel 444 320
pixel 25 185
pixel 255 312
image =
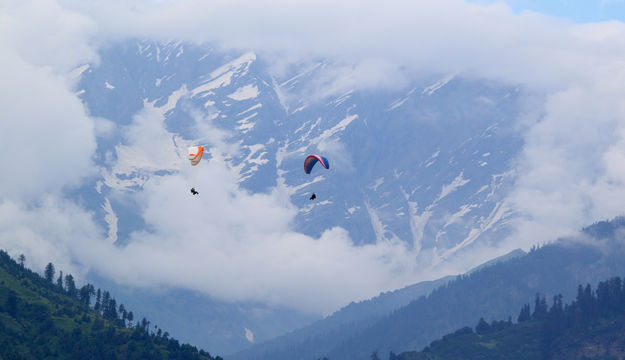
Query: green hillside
pixel 45 319
pixel 590 327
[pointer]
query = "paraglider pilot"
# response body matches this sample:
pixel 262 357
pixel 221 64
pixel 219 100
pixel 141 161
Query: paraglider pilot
pixel 193 191
pixel 313 196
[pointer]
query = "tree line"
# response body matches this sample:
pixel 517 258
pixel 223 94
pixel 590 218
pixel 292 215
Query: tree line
pixel 51 317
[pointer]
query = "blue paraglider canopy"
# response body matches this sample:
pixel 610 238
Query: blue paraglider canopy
pixel 311 160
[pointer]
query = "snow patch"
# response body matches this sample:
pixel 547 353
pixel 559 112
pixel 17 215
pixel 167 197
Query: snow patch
pixel 205 88
pixel 338 127
pixel 249 335
pixel 251 163
pixel 448 189
pixel 241 64
pixel 77 72
pixel 437 85
pixel 245 125
pixel 257 106
pixel 244 93
pixel 499 211
pixel 353 209
pixel 399 102
pixel 432 159
pixel 464 209
pixel 378 227
pixel 172 100
pixel 111 219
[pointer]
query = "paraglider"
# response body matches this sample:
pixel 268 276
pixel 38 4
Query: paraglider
pixel 310 162
pixel 195 155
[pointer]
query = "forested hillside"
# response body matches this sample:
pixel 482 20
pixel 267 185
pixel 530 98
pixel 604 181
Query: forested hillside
pixel 494 292
pixel 51 318
pixel 590 327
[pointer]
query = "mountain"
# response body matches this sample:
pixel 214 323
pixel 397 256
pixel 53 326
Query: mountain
pixel 323 335
pixel 590 327
pixel 494 292
pixel 427 164
pixel 39 319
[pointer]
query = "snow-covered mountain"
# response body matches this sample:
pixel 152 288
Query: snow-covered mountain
pixel 428 164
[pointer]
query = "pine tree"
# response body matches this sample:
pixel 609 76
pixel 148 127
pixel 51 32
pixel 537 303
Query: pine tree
pixel 106 297
pixel 49 272
pixel 59 281
pixel 22 259
pixel 130 317
pixel 122 313
pixel 110 311
pixel 98 303
pixel 86 292
pixel 540 308
pixel 524 315
pixel 482 327
pixel 70 285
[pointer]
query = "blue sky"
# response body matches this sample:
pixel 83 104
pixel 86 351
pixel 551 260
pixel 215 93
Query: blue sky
pixel 579 11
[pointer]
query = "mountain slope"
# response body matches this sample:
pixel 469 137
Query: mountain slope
pixel 323 335
pixel 39 320
pixel 494 292
pixel 428 164
pixel 590 327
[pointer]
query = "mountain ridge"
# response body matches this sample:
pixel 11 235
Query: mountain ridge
pixel 494 292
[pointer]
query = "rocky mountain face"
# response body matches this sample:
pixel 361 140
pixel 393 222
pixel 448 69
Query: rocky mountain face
pixel 428 164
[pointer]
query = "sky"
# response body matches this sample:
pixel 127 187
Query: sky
pixel 571 170
pixel 579 11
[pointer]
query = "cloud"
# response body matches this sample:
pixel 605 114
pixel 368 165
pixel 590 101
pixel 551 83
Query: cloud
pixel 369 44
pixel 44 33
pixel 570 172
pixel 51 230
pixel 236 245
pixel 47 140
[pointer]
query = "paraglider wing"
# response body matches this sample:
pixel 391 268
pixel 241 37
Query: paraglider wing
pixel 195 154
pixel 311 160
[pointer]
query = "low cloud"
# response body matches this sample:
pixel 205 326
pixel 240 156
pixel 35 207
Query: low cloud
pixel 570 172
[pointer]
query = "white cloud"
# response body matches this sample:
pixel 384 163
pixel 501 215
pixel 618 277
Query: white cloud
pixel 239 246
pixel 45 33
pixel 50 230
pixel 370 44
pixel 571 170
pixel 46 140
